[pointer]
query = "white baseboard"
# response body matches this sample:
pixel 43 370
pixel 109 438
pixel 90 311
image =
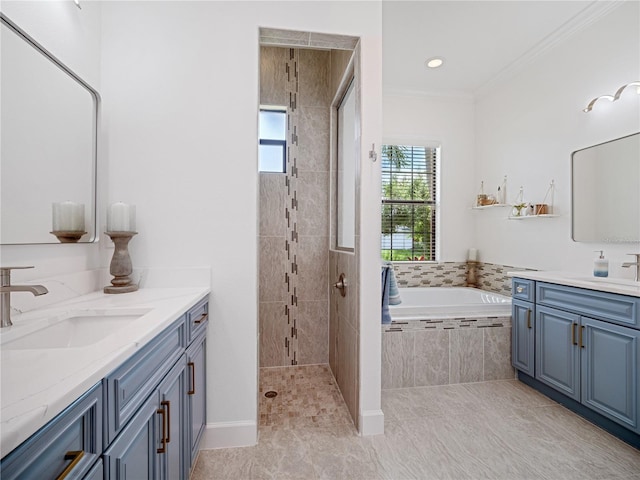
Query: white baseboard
pixel 371 422
pixel 229 434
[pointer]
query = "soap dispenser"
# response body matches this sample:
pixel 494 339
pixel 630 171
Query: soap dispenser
pixel 600 265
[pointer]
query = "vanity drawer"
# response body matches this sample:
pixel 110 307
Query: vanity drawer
pixel 523 289
pixel 197 319
pixel 72 440
pixel 130 384
pixel 610 307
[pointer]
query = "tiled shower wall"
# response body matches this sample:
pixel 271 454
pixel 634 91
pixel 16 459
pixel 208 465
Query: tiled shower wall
pixel 294 212
pixel 490 277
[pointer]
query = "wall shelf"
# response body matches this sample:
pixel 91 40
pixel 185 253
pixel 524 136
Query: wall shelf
pixel 495 205
pixel 527 217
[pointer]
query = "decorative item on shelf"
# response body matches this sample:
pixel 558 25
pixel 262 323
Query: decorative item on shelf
pixel 523 210
pixel 545 208
pixel 121 223
pixel 614 97
pixel 68 221
pixel 520 206
pixel 472 264
pixel 502 192
pixel 481 198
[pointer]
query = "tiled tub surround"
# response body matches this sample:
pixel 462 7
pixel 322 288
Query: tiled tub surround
pixel 491 277
pixel 294 212
pixel 446 351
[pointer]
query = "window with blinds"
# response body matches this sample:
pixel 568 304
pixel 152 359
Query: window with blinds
pixel 409 202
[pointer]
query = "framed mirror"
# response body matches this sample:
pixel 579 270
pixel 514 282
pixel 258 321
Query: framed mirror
pixel 606 191
pixel 48 151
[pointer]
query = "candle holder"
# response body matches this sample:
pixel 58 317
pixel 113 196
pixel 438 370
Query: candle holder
pixel 68 236
pixel 121 267
pixel 472 279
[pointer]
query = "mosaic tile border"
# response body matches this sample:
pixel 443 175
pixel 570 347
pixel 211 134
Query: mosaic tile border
pixel 291 209
pixel 491 277
pixel 448 324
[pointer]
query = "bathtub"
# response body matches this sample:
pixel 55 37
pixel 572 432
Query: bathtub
pixel 446 335
pixel 425 303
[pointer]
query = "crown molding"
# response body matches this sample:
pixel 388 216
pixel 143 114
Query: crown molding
pixel 406 92
pixel 586 17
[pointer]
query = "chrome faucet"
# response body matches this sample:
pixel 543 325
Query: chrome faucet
pixel 634 264
pixel 5 293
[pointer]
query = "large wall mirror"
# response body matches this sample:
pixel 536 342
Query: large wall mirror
pixel 48 148
pixel 606 192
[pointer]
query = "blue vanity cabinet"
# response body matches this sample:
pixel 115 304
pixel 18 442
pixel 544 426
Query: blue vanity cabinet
pixel 610 367
pixel 144 420
pixel 523 336
pixel 587 353
pixel 196 394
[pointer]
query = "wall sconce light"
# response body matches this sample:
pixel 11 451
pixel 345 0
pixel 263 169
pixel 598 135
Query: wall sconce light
pixel 612 98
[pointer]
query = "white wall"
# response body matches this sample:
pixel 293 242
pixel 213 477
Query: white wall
pixel 180 92
pixel 448 121
pixel 528 127
pixel 73 36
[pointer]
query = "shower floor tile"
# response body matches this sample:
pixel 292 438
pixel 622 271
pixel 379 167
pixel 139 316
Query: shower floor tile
pixel 307 396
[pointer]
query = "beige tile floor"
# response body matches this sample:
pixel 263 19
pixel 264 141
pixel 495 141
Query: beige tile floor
pixel 492 430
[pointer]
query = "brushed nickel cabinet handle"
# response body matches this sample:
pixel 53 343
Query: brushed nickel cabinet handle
pixel 75 456
pixel 192 367
pixel 519 289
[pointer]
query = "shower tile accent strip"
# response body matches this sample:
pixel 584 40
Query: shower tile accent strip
pixel 291 207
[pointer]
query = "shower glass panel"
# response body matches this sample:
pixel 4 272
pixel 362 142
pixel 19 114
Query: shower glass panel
pixel 346 169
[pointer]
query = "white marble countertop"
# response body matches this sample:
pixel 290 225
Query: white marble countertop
pixel 36 385
pixel 606 284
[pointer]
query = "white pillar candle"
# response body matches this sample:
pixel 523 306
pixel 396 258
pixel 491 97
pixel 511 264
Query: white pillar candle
pixel 121 217
pixel 68 217
pixel 472 255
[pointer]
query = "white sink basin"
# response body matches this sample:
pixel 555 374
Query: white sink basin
pixel 80 330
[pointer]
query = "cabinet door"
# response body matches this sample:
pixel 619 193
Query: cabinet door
pixel 197 391
pixel 172 391
pixel 610 371
pixel 133 455
pixel 557 351
pixel 523 338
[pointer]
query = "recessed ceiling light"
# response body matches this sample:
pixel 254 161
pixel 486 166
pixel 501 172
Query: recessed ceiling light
pixel 434 62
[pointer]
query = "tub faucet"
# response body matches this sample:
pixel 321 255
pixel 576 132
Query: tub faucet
pixel 634 264
pixel 5 293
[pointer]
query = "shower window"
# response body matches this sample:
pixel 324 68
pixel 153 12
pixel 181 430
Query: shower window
pixel 273 145
pixel 409 202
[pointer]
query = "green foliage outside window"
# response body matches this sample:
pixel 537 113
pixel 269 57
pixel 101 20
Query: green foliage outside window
pixel 408 203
